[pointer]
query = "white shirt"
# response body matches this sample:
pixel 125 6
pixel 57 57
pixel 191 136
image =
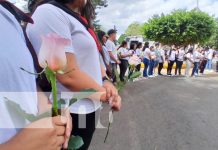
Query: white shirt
pixel 209 54
pixel 190 56
pixel 138 52
pixel 147 53
pixel 172 57
pixel 13 55
pixel 181 54
pixel 111 47
pixel 50 19
pixel 162 54
pixel 124 51
pixel 197 56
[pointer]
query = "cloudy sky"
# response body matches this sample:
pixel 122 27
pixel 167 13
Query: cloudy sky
pixel 123 12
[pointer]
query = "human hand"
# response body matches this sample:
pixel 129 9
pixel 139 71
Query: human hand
pixel 112 95
pixel 44 134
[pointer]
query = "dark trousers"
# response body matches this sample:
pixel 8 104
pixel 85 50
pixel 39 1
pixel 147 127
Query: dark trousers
pixel 151 68
pixel 146 65
pixel 123 68
pixel 160 67
pixel 195 69
pixel 217 66
pixel 114 70
pixel 170 67
pixel 90 122
pixel 178 67
pixel 203 66
pixel 138 67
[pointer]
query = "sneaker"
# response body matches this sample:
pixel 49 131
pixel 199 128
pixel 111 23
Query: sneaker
pixel 151 76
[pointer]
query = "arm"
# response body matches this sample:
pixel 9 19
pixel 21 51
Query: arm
pixel 112 56
pixel 75 79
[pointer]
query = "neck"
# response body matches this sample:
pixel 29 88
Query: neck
pixel 73 8
pixel 111 39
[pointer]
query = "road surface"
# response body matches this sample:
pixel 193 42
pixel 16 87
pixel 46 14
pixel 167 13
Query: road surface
pixel 164 114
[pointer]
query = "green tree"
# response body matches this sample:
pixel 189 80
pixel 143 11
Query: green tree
pixel 181 27
pixel 134 29
pixel 122 38
pixel 99 3
pixel 213 41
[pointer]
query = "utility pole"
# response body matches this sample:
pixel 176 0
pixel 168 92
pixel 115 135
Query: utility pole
pixel 197 4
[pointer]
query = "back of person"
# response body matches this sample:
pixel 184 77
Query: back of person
pixel 14 55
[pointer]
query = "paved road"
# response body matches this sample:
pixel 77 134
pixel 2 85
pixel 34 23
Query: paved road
pixel 164 114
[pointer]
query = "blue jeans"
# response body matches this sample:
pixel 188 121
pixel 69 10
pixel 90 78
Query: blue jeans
pixel 195 69
pixel 151 68
pixel 146 64
pixel 209 64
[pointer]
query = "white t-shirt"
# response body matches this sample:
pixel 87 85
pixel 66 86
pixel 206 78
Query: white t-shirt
pixel 197 56
pixel 172 57
pixel 50 19
pixel 111 47
pixel 210 54
pixel 124 51
pixel 147 53
pixel 181 54
pixel 15 84
pixel 190 56
pixel 162 54
pixel 138 52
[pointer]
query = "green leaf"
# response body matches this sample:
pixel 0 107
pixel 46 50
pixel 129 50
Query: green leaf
pixel 72 101
pixel 14 107
pixel 135 75
pixel 75 143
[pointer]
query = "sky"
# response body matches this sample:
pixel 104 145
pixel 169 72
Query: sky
pixel 124 12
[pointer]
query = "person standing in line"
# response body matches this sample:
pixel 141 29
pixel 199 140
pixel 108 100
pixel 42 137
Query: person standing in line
pixel 146 59
pixel 180 59
pixel 124 55
pixel 189 61
pixel 111 47
pixel 171 60
pixel 210 54
pixel 197 59
pixel 216 56
pixel 158 57
pixel 20 87
pixel 161 61
pixel 83 59
pixel 152 62
pixel 203 62
pixel 138 52
pixel 103 39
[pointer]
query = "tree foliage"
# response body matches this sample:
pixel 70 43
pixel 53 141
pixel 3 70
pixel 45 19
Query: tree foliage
pixel 213 41
pixel 134 29
pixel 99 3
pixel 122 38
pixel 181 27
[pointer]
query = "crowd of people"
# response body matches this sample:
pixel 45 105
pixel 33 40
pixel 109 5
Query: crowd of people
pixel 92 61
pixel 155 57
pixel 20 46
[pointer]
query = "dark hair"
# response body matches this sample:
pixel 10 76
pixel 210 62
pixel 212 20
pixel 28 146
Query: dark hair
pixel 88 11
pixel 101 34
pixel 157 44
pixel 111 31
pixel 132 46
pixel 139 45
pixel 145 46
pixel 122 44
